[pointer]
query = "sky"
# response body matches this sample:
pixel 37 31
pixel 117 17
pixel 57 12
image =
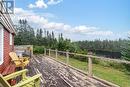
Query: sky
pixel 77 19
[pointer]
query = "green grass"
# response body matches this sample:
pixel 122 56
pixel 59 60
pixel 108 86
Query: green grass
pixel 110 74
pixel 107 73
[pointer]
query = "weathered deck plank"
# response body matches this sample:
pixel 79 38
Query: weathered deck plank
pixel 58 75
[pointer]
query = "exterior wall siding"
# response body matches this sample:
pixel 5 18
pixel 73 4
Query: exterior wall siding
pixel 7 23
pixel 7 50
pixel 6 47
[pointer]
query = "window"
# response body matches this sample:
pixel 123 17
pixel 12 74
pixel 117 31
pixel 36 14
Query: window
pixel 11 39
pixel 1 44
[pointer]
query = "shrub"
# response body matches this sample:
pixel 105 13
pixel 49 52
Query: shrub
pixel 38 49
pixel 119 66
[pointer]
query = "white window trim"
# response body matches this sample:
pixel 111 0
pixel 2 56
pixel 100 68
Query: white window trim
pixel 11 37
pixel 1 44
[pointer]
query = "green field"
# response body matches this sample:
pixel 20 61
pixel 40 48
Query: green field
pixel 107 73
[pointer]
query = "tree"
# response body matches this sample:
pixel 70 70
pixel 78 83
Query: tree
pixel 39 37
pixel 24 33
pixel 126 49
pixel 26 36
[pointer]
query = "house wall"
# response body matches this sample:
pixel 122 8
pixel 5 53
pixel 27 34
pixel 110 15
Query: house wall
pixel 7 48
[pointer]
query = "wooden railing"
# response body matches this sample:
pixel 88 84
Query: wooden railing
pixel 89 56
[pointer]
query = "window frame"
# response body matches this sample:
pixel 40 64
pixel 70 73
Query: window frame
pixel 1 44
pixel 11 39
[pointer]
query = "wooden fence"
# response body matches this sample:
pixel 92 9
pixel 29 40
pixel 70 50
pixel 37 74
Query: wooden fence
pixel 89 56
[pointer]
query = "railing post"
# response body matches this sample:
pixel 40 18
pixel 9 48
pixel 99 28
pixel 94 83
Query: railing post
pixel 44 51
pixel 49 53
pixel 56 53
pixel 67 57
pixel 90 73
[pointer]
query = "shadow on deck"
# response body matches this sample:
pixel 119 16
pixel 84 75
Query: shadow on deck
pixel 55 74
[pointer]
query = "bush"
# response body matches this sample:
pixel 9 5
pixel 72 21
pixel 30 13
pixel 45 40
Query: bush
pixel 119 66
pixel 38 49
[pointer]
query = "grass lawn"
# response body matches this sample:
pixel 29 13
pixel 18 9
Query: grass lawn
pixel 110 74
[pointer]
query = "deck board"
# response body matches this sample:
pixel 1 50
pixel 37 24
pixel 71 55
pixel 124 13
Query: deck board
pixel 55 74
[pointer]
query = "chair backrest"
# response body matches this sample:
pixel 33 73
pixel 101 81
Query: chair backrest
pixel 14 57
pixel 3 83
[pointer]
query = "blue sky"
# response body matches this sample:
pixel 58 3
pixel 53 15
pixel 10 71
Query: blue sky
pixel 78 19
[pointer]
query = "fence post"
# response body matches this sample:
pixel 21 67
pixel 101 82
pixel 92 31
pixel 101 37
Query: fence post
pixel 44 51
pixel 49 53
pixel 56 53
pixel 90 73
pixel 67 56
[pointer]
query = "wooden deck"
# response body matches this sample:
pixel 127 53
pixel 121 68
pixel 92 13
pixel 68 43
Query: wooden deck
pixel 55 74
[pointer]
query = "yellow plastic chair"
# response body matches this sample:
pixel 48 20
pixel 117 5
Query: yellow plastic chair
pixel 25 82
pixel 19 62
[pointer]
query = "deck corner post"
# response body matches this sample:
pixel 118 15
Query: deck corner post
pixel 56 53
pixel 44 51
pixel 67 56
pixel 90 73
pixel 49 52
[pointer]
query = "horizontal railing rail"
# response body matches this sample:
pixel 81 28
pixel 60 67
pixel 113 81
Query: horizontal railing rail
pixel 89 57
pixel 89 62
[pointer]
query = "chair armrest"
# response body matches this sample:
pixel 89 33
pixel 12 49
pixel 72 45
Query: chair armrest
pixel 13 75
pixel 21 60
pixel 24 58
pixel 23 83
pixel 16 60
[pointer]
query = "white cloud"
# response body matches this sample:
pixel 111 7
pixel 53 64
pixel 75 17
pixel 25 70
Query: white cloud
pixel 19 10
pixel 54 2
pixel 128 32
pixel 39 21
pixel 38 4
pixel 31 6
pixel 48 15
pixel 42 4
pixel 32 17
pixel 91 30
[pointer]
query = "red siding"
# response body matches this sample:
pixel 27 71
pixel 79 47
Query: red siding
pixel 7 49
pixel 12 47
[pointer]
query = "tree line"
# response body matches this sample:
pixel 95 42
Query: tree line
pixel 27 35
